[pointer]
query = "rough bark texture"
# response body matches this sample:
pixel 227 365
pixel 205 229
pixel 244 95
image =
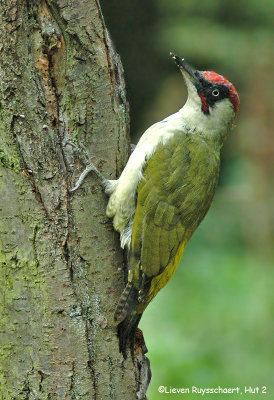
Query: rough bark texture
pixel 61 269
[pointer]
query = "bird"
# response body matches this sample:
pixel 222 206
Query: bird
pixel 166 189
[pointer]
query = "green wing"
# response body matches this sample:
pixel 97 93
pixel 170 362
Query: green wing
pixel 174 195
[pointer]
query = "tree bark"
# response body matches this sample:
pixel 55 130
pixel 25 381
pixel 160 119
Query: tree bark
pixel 61 266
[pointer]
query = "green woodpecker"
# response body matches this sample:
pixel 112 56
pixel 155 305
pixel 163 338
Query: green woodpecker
pixel 166 189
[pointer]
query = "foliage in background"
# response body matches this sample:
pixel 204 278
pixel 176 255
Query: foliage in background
pixel 213 323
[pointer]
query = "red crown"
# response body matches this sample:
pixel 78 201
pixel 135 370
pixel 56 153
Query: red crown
pixel 213 77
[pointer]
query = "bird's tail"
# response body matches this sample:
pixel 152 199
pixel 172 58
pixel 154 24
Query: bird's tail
pixel 127 318
pixel 127 332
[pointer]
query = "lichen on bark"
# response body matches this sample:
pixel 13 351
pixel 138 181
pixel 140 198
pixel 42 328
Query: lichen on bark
pixel 61 267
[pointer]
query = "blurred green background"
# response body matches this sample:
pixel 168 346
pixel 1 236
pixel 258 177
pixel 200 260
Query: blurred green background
pixel 213 323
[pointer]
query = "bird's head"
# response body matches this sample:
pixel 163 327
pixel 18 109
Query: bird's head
pixel 213 102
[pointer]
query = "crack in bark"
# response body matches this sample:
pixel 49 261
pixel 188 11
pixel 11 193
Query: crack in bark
pixel 26 168
pixel 111 386
pixel 52 47
pixel 72 380
pixel 63 25
pixel 26 391
pixel 41 374
pixel 91 363
pixel 109 54
pixel 34 246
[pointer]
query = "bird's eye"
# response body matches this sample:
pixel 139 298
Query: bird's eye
pixel 215 92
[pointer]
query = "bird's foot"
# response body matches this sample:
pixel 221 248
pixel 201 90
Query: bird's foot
pixel 90 167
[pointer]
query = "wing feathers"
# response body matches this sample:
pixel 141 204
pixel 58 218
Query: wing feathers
pixel 164 249
pixel 150 253
pixel 159 217
pixel 172 199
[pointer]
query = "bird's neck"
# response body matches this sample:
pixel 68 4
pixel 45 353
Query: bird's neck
pixel 213 127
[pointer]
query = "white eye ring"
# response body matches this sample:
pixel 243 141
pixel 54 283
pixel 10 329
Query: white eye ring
pixel 215 92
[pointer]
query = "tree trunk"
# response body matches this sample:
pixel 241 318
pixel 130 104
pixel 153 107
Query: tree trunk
pixel 61 267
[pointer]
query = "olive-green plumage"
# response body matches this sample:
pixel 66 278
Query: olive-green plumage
pixel 172 174
pixel 173 197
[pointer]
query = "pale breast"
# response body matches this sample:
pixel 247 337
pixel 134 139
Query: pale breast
pixel 122 202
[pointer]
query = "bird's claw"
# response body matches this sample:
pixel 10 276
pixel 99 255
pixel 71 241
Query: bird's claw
pixel 90 167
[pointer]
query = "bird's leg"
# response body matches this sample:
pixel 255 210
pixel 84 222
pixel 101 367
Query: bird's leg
pixel 90 167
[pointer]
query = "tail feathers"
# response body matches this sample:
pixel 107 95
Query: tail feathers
pixel 127 332
pixel 127 302
pixel 127 318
